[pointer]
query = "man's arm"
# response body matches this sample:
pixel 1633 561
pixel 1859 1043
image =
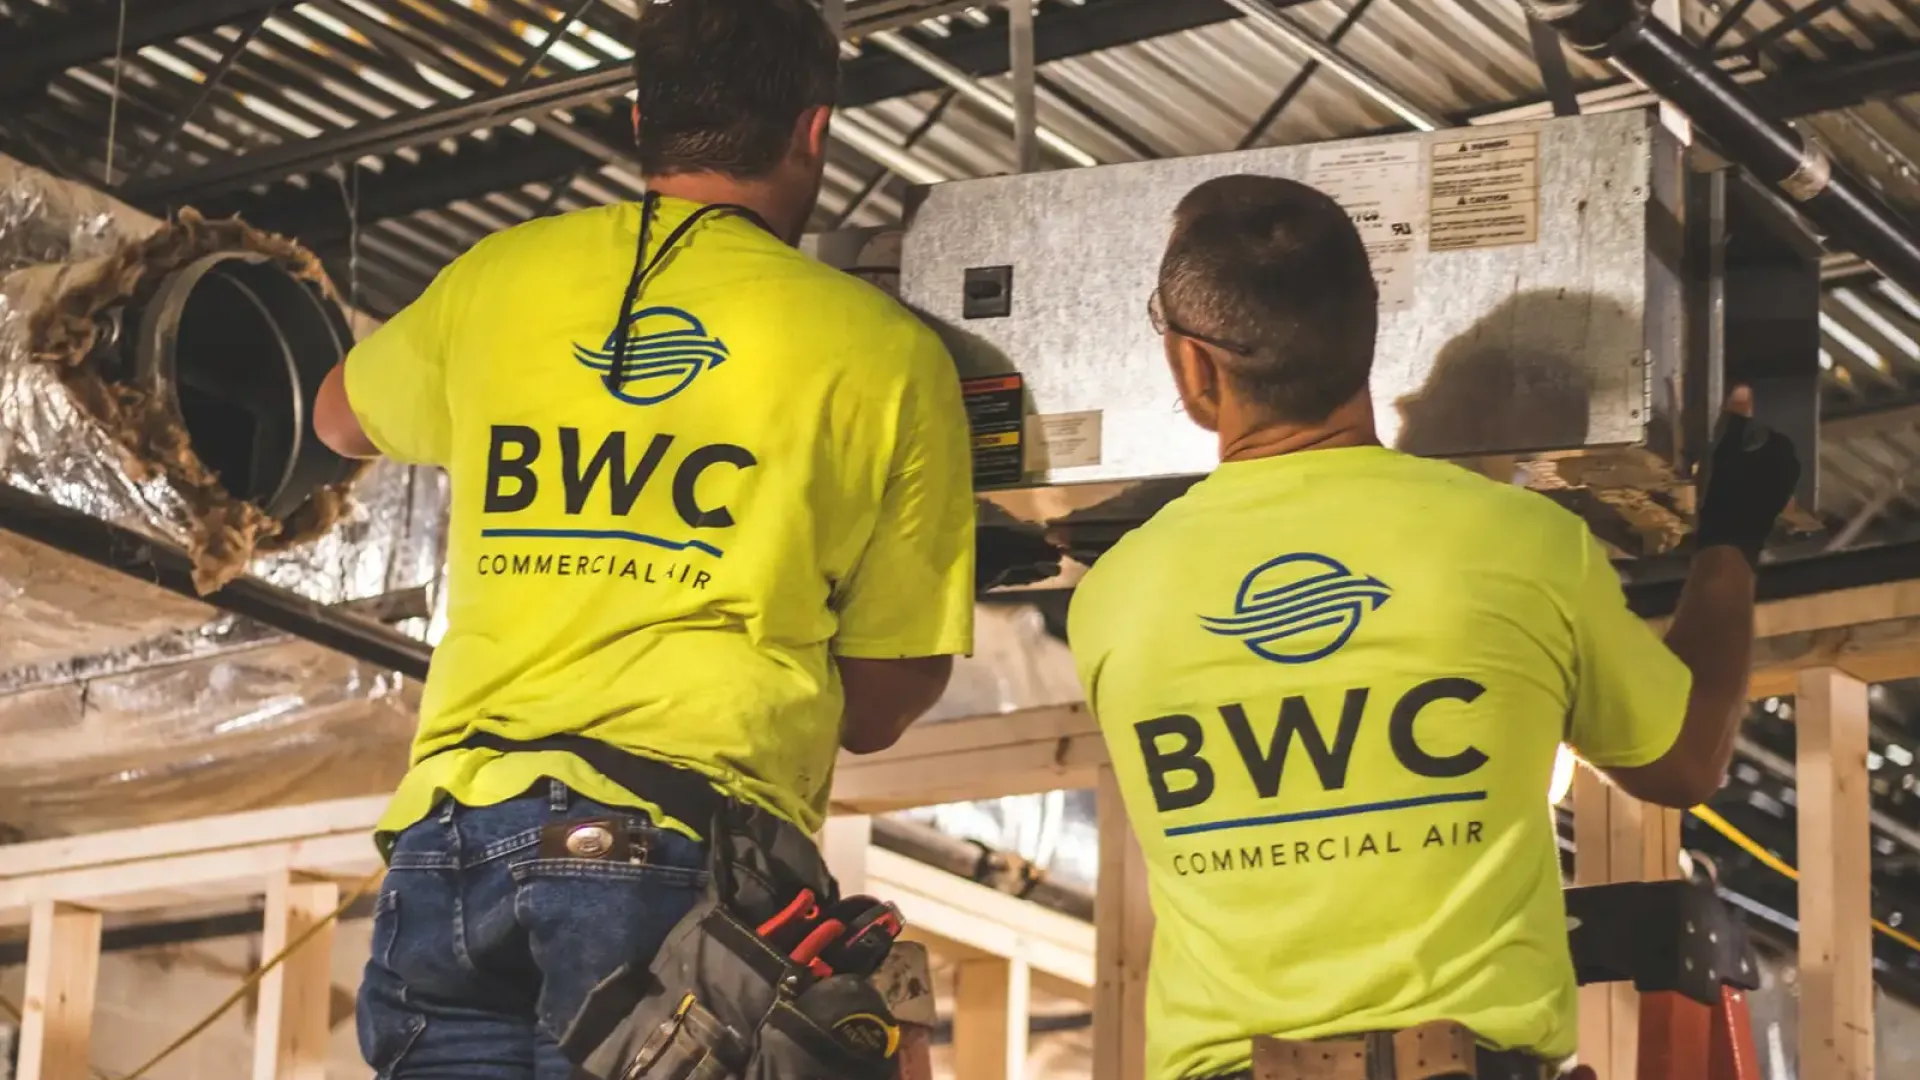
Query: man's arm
pixel 1750 479
pixel 333 418
pixel 885 697
pixel 1712 634
pixel 389 396
pixel 907 608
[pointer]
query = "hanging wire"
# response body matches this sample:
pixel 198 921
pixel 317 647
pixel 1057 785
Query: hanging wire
pixel 113 101
pixel 350 199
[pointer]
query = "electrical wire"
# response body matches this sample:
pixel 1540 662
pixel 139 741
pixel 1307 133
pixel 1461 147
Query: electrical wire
pixel 247 984
pixel 1774 862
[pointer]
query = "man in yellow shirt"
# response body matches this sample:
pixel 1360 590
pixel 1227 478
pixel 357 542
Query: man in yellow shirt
pixel 711 507
pixel 1333 677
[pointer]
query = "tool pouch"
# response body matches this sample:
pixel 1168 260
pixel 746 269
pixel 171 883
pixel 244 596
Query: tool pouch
pixel 717 1003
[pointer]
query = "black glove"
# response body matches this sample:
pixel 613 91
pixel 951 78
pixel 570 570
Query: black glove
pixel 1746 484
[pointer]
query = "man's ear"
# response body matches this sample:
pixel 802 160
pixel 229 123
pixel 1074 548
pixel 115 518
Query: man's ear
pixel 1198 378
pixel 810 132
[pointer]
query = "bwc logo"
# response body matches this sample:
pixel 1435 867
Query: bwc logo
pixel 1299 608
pixel 665 350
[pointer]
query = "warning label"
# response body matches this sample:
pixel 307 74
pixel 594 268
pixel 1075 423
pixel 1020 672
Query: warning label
pixel 1484 193
pixel 1379 187
pixel 994 407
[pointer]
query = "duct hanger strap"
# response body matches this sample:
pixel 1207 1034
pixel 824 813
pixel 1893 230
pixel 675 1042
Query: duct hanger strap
pixel 1813 174
pixel 1591 27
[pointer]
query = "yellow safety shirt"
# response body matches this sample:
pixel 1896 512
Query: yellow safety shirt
pixel 670 564
pixel 1333 684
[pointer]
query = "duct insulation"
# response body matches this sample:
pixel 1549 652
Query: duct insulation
pixel 154 375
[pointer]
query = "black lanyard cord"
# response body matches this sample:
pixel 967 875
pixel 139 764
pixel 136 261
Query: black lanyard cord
pixel 643 270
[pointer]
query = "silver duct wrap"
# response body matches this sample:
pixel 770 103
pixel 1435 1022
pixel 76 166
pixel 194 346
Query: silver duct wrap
pixel 121 703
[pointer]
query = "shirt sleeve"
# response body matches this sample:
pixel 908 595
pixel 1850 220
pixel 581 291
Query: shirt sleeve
pixel 1630 690
pixel 397 378
pixel 911 592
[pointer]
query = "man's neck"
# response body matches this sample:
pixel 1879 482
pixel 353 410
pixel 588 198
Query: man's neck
pixel 713 188
pixel 1350 425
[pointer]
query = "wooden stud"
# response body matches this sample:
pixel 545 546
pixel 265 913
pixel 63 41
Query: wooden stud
pixel 1123 941
pixel 992 1005
pixel 844 843
pixel 1836 937
pixel 63 967
pixel 1617 838
pixel 291 1034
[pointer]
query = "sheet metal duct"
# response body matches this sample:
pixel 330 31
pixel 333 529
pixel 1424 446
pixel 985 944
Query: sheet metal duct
pixel 121 702
pixel 1534 318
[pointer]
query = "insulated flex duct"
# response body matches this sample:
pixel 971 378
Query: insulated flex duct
pixel 153 377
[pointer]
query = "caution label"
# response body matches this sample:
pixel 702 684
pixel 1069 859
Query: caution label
pixel 1484 193
pixel 995 409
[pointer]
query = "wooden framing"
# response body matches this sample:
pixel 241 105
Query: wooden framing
pixel 294 1020
pixel 992 1003
pixel 1123 922
pixel 63 964
pixel 1836 932
pixel 1617 838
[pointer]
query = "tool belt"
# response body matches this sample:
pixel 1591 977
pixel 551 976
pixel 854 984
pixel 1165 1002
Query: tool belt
pixel 1438 1051
pixel 765 979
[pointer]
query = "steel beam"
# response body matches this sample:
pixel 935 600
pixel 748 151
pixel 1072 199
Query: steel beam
pixel 28 58
pixel 876 76
pixel 163 565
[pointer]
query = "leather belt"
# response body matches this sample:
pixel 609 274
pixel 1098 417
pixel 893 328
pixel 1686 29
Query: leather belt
pixel 1438 1051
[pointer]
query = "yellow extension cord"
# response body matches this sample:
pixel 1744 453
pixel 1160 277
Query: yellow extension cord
pixel 252 980
pixel 1750 846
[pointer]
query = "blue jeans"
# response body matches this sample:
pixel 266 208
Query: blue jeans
pixel 483 952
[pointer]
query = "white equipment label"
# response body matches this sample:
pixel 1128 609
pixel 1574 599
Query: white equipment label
pixel 1063 441
pixel 1484 192
pixel 1379 187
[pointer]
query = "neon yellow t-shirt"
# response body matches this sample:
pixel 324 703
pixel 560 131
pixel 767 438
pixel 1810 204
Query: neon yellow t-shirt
pixel 782 477
pixel 1333 684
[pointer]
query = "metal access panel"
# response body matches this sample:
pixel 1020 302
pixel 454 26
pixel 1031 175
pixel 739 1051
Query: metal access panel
pixel 1527 308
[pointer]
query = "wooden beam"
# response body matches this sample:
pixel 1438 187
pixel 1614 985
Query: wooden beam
pixel 1874 652
pixel 991 1012
pixel 963 918
pixel 195 836
pixel 844 842
pixel 174 879
pixel 1123 929
pixel 1020 753
pixel 63 967
pixel 1836 934
pixel 296 998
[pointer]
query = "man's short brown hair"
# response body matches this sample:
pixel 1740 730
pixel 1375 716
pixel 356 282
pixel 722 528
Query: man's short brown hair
pixel 1277 270
pixel 722 82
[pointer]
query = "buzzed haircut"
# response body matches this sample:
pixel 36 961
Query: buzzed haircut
pixel 1277 270
pixel 721 83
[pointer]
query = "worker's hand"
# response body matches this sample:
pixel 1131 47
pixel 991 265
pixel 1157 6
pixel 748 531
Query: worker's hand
pixel 1747 481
